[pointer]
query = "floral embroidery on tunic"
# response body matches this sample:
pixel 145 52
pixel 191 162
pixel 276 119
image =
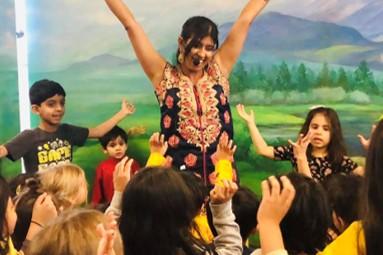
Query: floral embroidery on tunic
pixel 198 118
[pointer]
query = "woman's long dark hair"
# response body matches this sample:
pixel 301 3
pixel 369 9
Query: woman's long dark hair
pixel 336 149
pixel 157 212
pixel 5 195
pixel 372 201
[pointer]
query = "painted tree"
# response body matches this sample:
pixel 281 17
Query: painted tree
pixel 302 79
pixel 324 78
pixel 342 80
pixel 364 79
pixel 283 77
pixel 239 78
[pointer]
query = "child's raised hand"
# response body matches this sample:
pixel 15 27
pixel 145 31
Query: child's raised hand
pixel 157 143
pixel 248 117
pixel 300 146
pixel 127 108
pixel 276 200
pixel 107 235
pixel 365 142
pixel 44 210
pixel 223 193
pixel 225 150
pixel 121 175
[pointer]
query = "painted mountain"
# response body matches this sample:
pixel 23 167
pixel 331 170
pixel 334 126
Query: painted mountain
pixel 363 15
pixel 276 36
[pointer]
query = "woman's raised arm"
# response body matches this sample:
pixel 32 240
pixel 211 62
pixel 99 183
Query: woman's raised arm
pixel 228 53
pixel 151 61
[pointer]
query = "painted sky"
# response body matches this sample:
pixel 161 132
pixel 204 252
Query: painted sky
pixel 68 31
pixel 7 27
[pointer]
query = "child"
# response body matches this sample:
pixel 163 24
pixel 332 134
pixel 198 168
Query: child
pixel 52 141
pixel 319 150
pixel 162 208
pixel 305 224
pixel 343 193
pixel 157 211
pixel 75 232
pixel 66 185
pixel 115 144
pixel 245 208
pixel 43 211
pixel 360 238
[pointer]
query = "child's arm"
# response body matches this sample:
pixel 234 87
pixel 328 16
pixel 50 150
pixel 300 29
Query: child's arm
pixel 258 141
pixel 228 241
pixel 365 142
pixel 274 206
pixel 222 159
pixel 121 178
pixel 359 171
pixel 97 186
pixel 300 149
pixel 158 148
pixel 43 212
pixel 3 151
pixel 103 128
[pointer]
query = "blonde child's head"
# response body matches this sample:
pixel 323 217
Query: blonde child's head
pixel 73 232
pixel 66 183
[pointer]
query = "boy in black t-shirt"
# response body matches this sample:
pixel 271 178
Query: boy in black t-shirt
pixel 52 142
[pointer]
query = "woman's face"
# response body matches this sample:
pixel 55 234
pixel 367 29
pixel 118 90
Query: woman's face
pixel 200 55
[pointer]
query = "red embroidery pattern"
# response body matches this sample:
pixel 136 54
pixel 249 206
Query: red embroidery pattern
pixel 223 99
pixel 198 130
pixel 190 160
pixel 169 102
pixel 167 121
pixel 226 117
pixel 173 141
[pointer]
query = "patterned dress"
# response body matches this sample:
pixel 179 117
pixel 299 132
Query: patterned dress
pixel 193 117
pixel 320 167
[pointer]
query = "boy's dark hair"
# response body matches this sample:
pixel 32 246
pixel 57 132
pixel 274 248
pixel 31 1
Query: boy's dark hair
pixel 305 226
pixel 115 132
pixel 43 89
pixel 245 207
pixel 343 193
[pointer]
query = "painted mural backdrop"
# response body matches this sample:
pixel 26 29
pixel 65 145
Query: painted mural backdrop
pixel 299 53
